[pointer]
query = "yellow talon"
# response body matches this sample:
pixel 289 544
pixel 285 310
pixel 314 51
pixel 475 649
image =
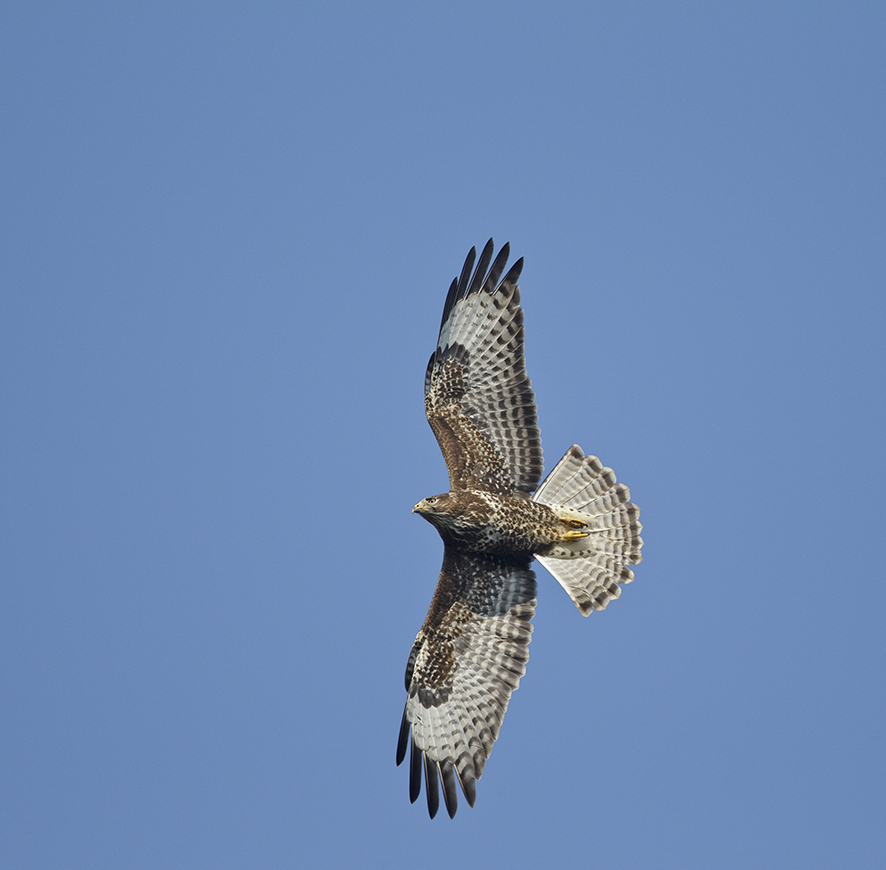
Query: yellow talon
pixel 577 524
pixel 574 536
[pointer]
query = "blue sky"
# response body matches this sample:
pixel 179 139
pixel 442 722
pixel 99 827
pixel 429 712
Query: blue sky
pixel 228 232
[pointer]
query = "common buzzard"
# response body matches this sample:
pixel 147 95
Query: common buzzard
pixel 472 649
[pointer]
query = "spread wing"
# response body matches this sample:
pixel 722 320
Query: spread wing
pixel 467 659
pixel 478 397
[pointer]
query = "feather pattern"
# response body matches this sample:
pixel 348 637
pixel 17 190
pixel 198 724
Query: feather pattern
pixel 472 649
pixel 478 397
pixel 592 568
pixel 467 660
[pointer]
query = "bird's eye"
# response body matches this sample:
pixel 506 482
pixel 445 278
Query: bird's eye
pixel 431 499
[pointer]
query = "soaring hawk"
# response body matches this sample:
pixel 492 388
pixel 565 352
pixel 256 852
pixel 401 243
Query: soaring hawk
pixel 472 649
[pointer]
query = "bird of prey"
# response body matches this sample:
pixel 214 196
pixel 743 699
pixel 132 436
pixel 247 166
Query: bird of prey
pixel 472 649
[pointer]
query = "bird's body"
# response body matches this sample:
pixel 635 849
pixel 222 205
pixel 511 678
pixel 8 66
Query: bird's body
pixel 482 521
pixel 472 649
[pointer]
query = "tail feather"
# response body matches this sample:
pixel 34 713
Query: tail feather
pixel 591 568
pixel 589 585
pixel 575 480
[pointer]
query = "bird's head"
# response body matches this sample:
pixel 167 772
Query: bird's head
pixel 436 509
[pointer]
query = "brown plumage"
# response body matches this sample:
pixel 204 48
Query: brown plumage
pixel 472 649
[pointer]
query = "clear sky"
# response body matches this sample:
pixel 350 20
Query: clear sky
pixel 227 235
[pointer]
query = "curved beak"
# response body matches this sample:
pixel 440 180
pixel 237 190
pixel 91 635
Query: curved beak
pixel 417 509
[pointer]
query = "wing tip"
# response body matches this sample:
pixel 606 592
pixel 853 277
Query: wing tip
pixel 513 275
pixel 466 283
pixel 432 786
pixel 450 791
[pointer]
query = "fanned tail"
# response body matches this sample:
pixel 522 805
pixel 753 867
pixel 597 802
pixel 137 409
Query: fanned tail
pixel 591 565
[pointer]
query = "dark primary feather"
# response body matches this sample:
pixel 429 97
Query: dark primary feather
pixel 450 792
pixel 432 787
pixel 414 772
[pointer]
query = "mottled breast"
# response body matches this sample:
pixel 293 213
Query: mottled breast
pixel 503 524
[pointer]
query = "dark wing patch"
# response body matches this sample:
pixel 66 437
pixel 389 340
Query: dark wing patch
pixel 478 397
pixel 467 659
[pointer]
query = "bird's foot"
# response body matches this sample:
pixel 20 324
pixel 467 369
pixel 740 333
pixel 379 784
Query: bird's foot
pixel 576 522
